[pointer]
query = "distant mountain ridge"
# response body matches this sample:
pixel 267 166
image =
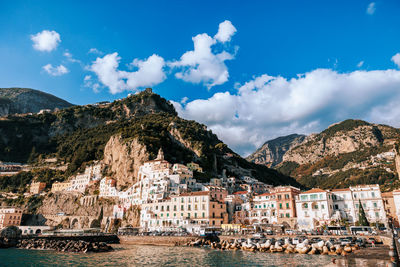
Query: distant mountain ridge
pixel 271 152
pixel 347 153
pixel 124 134
pixel 25 100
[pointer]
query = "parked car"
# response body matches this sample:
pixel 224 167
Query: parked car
pixel 269 232
pixel 361 242
pixel 258 235
pixel 345 240
pixel 333 240
pixel 289 232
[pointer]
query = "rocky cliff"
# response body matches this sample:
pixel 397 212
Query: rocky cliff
pixel 271 152
pixel 347 153
pixel 24 100
pixel 123 159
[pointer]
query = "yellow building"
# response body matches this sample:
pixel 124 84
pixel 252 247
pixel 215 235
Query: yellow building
pixel 198 208
pixel 194 167
pixel 37 188
pixel 10 216
pixel 58 187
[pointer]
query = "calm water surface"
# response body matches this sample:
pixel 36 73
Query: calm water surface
pixel 171 256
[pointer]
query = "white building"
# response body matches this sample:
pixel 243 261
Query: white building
pixel 183 211
pixel 107 188
pixel 264 209
pixel 344 206
pixel 81 181
pixel 314 208
pixel 371 199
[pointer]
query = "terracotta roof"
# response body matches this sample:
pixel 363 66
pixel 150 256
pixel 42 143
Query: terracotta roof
pixel 340 189
pixel 387 194
pixel 198 193
pixel 315 190
pixel 240 193
pixel 265 194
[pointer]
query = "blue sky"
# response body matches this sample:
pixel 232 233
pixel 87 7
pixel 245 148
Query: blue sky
pixel 243 82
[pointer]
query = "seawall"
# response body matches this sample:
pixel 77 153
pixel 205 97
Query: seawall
pixel 155 240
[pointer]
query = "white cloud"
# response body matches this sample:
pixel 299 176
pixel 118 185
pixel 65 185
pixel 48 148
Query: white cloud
pixel 88 82
pixel 268 106
pixel 360 64
pixel 46 40
pixel 149 73
pixel 225 31
pixel 55 71
pixel 70 58
pixel 396 59
pixel 371 8
pixel 203 65
pixel 95 51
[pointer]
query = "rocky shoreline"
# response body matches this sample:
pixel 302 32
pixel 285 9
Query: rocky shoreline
pixel 305 247
pixel 77 246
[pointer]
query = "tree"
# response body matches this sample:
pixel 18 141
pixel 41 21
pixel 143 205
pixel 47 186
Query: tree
pixel 362 219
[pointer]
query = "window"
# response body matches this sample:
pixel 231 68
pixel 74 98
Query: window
pixel 286 196
pixel 195 214
pixel 189 207
pixel 280 205
pixel 336 207
pixel 287 215
pixel 376 215
pixel 313 196
pixel 174 207
pixel 279 197
pixel 182 207
pixel 346 206
pixel 281 215
pixel 287 205
pixel 375 205
pixel 373 194
pixel 304 197
pixel 204 215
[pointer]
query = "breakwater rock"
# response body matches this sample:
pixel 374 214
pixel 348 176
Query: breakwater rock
pixel 305 247
pixel 64 245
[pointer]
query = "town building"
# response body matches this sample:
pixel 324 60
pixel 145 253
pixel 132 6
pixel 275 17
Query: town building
pixel 194 167
pixel 390 208
pixel 81 181
pixel 285 197
pixel 264 209
pixel 314 208
pixel 396 200
pixel 343 206
pixel 10 216
pixel 182 211
pixel 107 188
pixel 37 188
pixel 371 199
pixel 60 186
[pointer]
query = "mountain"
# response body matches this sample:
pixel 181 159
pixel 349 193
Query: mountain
pixel 24 100
pixel 271 152
pixel 347 153
pixel 123 134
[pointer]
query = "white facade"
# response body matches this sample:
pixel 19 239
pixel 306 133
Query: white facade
pixel 314 208
pixel 372 202
pixel 107 188
pixel 264 209
pixel 81 181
